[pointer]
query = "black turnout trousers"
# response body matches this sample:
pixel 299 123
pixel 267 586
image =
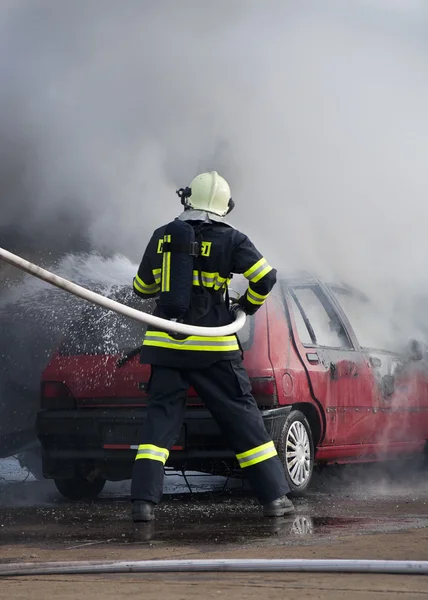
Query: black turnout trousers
pixel 226 390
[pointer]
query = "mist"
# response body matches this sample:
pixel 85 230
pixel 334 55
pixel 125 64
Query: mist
pixel 314 112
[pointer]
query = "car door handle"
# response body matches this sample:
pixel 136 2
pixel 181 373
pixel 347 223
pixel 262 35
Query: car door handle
pixel 312 357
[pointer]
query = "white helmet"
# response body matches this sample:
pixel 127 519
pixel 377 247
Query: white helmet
pixel 209 192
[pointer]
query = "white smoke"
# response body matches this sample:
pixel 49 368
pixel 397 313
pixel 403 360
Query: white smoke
pixel 315 112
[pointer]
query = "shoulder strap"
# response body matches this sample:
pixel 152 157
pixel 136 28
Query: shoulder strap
pixel 198 237
pixel 193 249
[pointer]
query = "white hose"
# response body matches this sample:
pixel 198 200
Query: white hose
pixel 110 304
pixel 404 567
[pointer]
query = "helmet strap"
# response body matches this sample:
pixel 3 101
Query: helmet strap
pixel 230 206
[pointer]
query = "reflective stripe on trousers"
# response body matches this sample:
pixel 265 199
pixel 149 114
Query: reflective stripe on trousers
pixel 193 342
pixel 151 452
pixel 256 455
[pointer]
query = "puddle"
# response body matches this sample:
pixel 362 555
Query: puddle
pixel 183 522
pixel 33 512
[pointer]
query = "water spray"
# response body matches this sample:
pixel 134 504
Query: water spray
pixel 121 309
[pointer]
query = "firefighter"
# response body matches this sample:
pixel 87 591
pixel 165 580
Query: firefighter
pixel 212 365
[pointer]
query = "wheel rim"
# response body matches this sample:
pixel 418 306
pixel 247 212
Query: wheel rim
pixel 298 454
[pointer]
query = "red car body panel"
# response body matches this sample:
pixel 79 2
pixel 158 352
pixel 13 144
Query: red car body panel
pixel 337 388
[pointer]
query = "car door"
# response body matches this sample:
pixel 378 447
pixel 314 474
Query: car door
pixel 400 390
pixel 337 370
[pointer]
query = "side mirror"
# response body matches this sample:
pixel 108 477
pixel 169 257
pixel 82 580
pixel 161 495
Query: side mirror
pixel 416 350
pixel 375 362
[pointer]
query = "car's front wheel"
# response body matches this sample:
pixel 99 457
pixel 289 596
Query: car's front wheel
pixel 296 450
pixel 79 488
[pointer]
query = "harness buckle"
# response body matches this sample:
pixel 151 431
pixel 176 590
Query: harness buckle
pixel 194 249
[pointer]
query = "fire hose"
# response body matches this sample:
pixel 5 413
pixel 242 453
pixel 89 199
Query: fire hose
pixel 393 567
pixel 122 309
pixel 214 565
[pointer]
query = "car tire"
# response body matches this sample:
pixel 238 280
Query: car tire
pixel 79 488
pixel 296 451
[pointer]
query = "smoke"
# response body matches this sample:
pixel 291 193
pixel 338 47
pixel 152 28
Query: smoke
pixel 314 112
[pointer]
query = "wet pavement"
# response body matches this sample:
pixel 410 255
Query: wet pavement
pixel 351 500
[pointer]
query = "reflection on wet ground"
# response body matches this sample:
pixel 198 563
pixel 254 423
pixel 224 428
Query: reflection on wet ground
pixel 352 500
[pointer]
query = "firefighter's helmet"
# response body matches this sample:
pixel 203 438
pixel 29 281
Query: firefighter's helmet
pixel 209 192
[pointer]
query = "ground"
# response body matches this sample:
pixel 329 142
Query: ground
pixel 353 512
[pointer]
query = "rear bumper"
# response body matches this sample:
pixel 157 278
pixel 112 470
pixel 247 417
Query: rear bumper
pixel 105 440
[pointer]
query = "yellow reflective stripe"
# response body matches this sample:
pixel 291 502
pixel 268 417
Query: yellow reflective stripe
pixel 145 288
pixel 138 287
pixel 256 298
pixel 206 248
pixel 163 272
pixel 199 338
pixel 209 279
pixel 262 273
pixel 256 265
pixel 151 452
pixel 166 267
pixel 256 455
pixel 220 282
pixel 161 339
pixel 256 302
pixel 258 270
pixel 257 295
pixel 142 284
pixel 197 348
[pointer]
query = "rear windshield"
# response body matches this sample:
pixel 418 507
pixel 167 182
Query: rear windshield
pixel 99 331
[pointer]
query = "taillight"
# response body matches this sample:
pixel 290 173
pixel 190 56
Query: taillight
pixel 55 394
pixel 264 390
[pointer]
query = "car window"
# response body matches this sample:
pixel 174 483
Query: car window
pixel 302 329
pixel 316 321
pixel 372 327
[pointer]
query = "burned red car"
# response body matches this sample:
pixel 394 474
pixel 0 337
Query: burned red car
pixel 328 384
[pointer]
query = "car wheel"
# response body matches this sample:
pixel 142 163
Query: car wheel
pixel 296 450
pixel 79 488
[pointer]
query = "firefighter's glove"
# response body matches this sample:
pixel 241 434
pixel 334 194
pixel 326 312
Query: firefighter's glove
pixel 235 307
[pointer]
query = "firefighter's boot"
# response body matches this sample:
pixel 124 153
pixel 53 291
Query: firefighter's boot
pixel 143 511
pixel 278 508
